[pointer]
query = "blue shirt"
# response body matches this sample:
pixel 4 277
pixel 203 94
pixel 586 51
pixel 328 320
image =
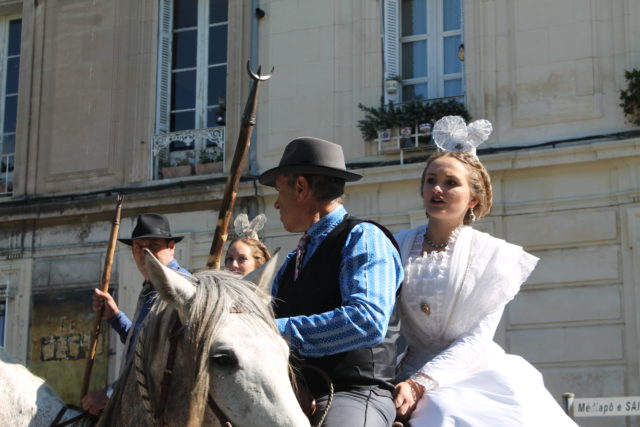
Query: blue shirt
pixel 370 274
pixel 121 323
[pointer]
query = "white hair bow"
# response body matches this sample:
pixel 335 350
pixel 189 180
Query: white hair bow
pixel 451 133
pixel 249 230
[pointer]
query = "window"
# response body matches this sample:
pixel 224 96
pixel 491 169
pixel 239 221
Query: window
pixel 424 47
pixel 192 65
pixel 10 29
pixel 192 87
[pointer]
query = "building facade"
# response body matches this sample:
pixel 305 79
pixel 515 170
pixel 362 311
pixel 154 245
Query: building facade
pixel 101 97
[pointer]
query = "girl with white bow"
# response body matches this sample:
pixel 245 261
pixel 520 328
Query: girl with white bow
pixel 457 283
pixel 246 252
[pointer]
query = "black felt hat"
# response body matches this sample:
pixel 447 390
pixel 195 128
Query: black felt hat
pixel 310 156
pixel 151 226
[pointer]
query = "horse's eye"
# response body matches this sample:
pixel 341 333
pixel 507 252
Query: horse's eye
pixel 224 359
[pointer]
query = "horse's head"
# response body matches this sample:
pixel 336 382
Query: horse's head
pixel 240 360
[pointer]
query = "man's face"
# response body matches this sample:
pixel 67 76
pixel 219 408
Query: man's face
pixel 288 203
pixel 160 248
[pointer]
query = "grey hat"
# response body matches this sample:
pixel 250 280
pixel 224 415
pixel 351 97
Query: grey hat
pixel 310 156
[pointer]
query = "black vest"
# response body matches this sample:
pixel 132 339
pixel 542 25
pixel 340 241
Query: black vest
pixel 316 291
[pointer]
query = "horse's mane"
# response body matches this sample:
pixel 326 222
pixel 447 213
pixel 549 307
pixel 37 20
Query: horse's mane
pixel 218 294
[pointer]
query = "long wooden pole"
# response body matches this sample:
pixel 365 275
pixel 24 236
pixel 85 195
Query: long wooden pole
pixel 237 165
pixel 106 275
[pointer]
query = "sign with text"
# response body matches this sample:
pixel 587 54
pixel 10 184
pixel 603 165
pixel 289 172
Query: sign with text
pixel 606 406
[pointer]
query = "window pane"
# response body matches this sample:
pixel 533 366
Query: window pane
pixel 414 59
pixel 452 15
pixel 218 11
pixel 10 109
pixel 183 90
pixel 8 144
pixel 217 84
pixel 414 17
pixel 183 121
pixel 13 70
pixel 453 87
pixel 452 63
pixel 184 49
pixel 218 44
pixel 2 305
pixel 15 27
pixel 185 13
pixel 410 92
pixel 6 165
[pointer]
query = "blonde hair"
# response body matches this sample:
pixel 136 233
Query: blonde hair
pixel 479 182
pixel 259 250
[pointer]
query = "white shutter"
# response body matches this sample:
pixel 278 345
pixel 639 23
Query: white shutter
pixel 391 44
pixel 165 25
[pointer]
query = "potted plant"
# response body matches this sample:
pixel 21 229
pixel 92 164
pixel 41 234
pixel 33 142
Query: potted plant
pixel 209 161
pixel 392 84
pixel 630 97
pixel 179 167
pixel 416 116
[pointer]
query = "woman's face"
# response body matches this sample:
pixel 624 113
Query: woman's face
pixel 240 258
pixel 446 191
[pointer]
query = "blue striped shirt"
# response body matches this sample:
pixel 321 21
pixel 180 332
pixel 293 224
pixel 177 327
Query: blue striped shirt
pixel 370 274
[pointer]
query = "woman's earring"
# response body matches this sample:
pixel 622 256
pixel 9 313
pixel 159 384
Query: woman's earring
pixel 472 215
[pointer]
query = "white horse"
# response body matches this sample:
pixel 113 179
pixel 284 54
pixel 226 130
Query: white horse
pixel 28 400
pixel 228 354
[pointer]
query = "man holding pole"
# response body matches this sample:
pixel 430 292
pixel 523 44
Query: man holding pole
pixel 152 231
pixel 335 294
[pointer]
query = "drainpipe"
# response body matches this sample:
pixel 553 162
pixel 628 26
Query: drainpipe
pixel 256 13
pixel 253 165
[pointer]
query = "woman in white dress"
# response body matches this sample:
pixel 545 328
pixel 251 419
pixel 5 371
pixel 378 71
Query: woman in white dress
pixel 457 283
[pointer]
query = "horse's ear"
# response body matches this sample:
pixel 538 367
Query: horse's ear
pixel 262 276
pixel 172 286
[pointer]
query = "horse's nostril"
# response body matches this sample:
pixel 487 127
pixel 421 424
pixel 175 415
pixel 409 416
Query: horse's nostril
pixel 224 359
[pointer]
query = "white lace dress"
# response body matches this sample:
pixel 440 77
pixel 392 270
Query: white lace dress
pixel 450 306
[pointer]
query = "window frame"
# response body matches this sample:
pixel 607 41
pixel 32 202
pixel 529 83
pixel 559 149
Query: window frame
pixel 7 176
pixel 434 36
pixel 165 70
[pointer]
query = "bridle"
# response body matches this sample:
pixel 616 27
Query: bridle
pixel 158 414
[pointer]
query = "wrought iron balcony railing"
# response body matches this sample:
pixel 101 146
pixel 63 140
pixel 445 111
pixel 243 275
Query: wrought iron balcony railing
pixel 188 152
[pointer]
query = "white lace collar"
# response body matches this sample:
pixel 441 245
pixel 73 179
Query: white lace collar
pixel 417 253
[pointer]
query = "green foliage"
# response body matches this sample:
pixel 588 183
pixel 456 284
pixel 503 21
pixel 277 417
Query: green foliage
pixel 210 156
pixel 163 158
pixel 630 97
pixel 407 114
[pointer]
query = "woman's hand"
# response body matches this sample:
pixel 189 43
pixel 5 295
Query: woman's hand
pixel 406 396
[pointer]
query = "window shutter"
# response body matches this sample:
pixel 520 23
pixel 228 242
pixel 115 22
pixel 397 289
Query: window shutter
pixel 391 44
pixel 165 25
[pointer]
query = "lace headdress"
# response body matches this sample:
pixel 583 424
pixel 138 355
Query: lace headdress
pixel 451 133
pixel 249 230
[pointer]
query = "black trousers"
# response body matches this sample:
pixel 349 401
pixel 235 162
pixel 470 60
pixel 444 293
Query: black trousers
pixel 358 408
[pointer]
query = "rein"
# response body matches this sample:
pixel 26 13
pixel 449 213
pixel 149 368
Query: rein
pixel 330 391
pixel 63 411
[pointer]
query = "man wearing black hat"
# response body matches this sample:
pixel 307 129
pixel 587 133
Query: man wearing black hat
pixel 335 293
pixel 152 231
